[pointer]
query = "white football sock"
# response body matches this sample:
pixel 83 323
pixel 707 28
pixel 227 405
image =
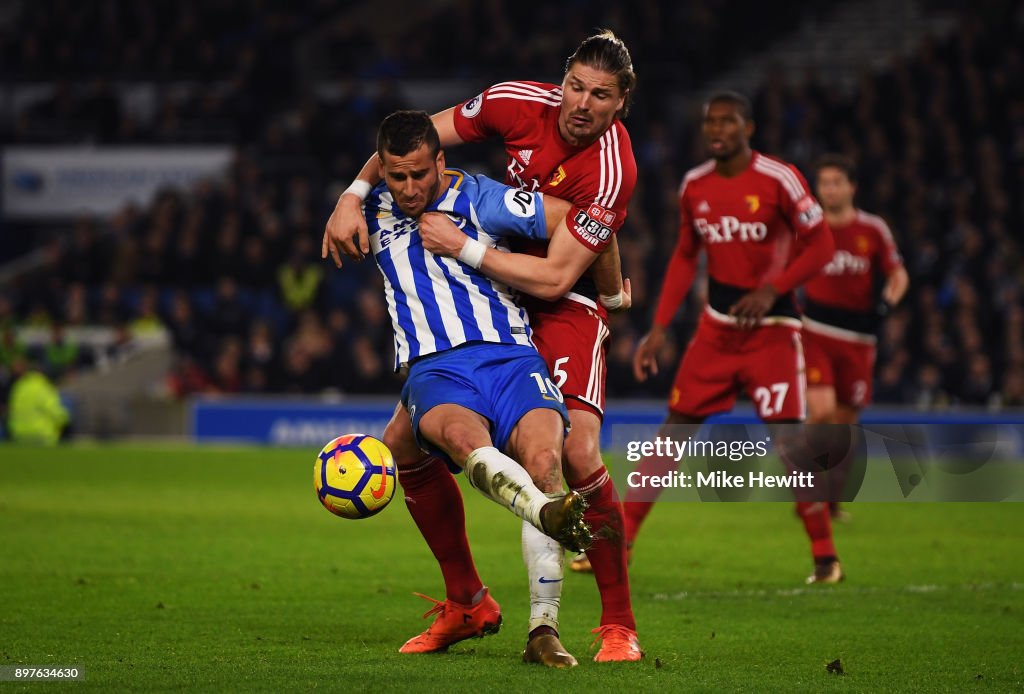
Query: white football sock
pixel 545 564
pixel 504 481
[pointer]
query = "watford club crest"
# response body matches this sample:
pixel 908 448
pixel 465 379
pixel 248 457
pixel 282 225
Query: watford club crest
pixel 753 203
pixel 557 177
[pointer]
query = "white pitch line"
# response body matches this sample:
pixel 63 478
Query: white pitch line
pixel 817 590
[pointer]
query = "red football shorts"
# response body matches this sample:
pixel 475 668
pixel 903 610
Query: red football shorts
pixel 845 362
pixel 572 337
pixel 766 362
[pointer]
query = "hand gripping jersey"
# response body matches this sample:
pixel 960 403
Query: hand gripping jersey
pixel 439 303
pixel 843 294
pixel 597 179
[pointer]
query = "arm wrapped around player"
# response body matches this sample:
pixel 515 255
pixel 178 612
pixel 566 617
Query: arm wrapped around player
pixel 546 278
pixel 613 291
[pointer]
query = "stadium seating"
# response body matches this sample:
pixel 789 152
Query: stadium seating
pixel 212 265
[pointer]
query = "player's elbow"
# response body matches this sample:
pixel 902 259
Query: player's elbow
pixel 551 291
pixel 563 283
pixel 559 284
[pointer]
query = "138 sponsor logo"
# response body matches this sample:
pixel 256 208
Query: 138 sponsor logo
pixel 809 212
pixel 593 231
pixel 594 224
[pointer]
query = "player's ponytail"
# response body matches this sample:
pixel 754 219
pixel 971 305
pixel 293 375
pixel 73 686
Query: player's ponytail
pixel 607 52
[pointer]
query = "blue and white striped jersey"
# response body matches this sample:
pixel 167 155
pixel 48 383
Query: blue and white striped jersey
pixel 439 303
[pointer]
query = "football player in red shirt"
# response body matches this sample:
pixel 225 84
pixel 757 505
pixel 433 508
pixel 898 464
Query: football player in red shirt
pixel 567 141
pixel 840 312
pixel 764 235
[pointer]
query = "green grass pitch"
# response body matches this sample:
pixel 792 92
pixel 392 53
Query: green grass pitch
pixel 215 569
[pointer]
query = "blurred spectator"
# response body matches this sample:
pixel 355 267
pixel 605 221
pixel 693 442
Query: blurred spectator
pixel 61 356
pixel 367 372
pixel 229 316
pixel 300 280
pixel 375 323
pixel 1012 394
pixel 7 317
pixel 227 368
pixel 11 347
pixel 299 376
pixel 86 259
pixel 978 387
pixel 187 377
pixel 76 306
pixel 929 391
pixel 261 350
pixel 147 318
pixel 255 268
pixel 891 383
pixel 35 414
pixel 186 330
pixel 121 348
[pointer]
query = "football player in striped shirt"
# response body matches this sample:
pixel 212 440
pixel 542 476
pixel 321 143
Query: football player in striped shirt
pixel 566 140
pixel 764 235
pixel 476 385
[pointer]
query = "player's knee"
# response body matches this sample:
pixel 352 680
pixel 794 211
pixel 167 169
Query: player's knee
pixel 459 439
pixel 581 455
pixel 402 444
pixel 544 464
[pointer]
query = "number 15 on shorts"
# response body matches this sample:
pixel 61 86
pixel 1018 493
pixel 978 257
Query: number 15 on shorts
pixel 548 390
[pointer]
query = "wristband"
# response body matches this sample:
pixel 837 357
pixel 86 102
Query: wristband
pixel 360 188
pixel 611 301
pixel 472 253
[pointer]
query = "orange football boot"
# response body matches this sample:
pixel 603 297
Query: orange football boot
pixel 619 644
pixel 455 623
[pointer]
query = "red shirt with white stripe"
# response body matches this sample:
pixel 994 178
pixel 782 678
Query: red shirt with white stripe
pixel 759 227
pixel 864 248
pixel 597 179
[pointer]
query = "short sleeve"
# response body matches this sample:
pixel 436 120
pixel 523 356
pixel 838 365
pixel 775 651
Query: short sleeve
pixel 504 211
pixel 800 207
pixel 494 112
pixel 594 222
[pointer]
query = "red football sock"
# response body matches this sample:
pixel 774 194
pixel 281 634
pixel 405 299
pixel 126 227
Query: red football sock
pixel 634 513
pixel 638 502
pixel 435 503
pixel 608 553
pixel 818 524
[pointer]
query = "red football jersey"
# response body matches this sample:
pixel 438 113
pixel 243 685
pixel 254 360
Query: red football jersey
pixel 747 223
pixel 761 226
pixel 597 179
pixel 863 248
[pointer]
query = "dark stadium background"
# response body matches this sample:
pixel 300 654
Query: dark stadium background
pixel 927 97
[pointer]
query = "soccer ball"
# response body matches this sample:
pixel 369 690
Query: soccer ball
pixel 354 476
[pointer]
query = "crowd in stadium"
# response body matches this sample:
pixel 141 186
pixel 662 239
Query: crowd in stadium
pixel 233 270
